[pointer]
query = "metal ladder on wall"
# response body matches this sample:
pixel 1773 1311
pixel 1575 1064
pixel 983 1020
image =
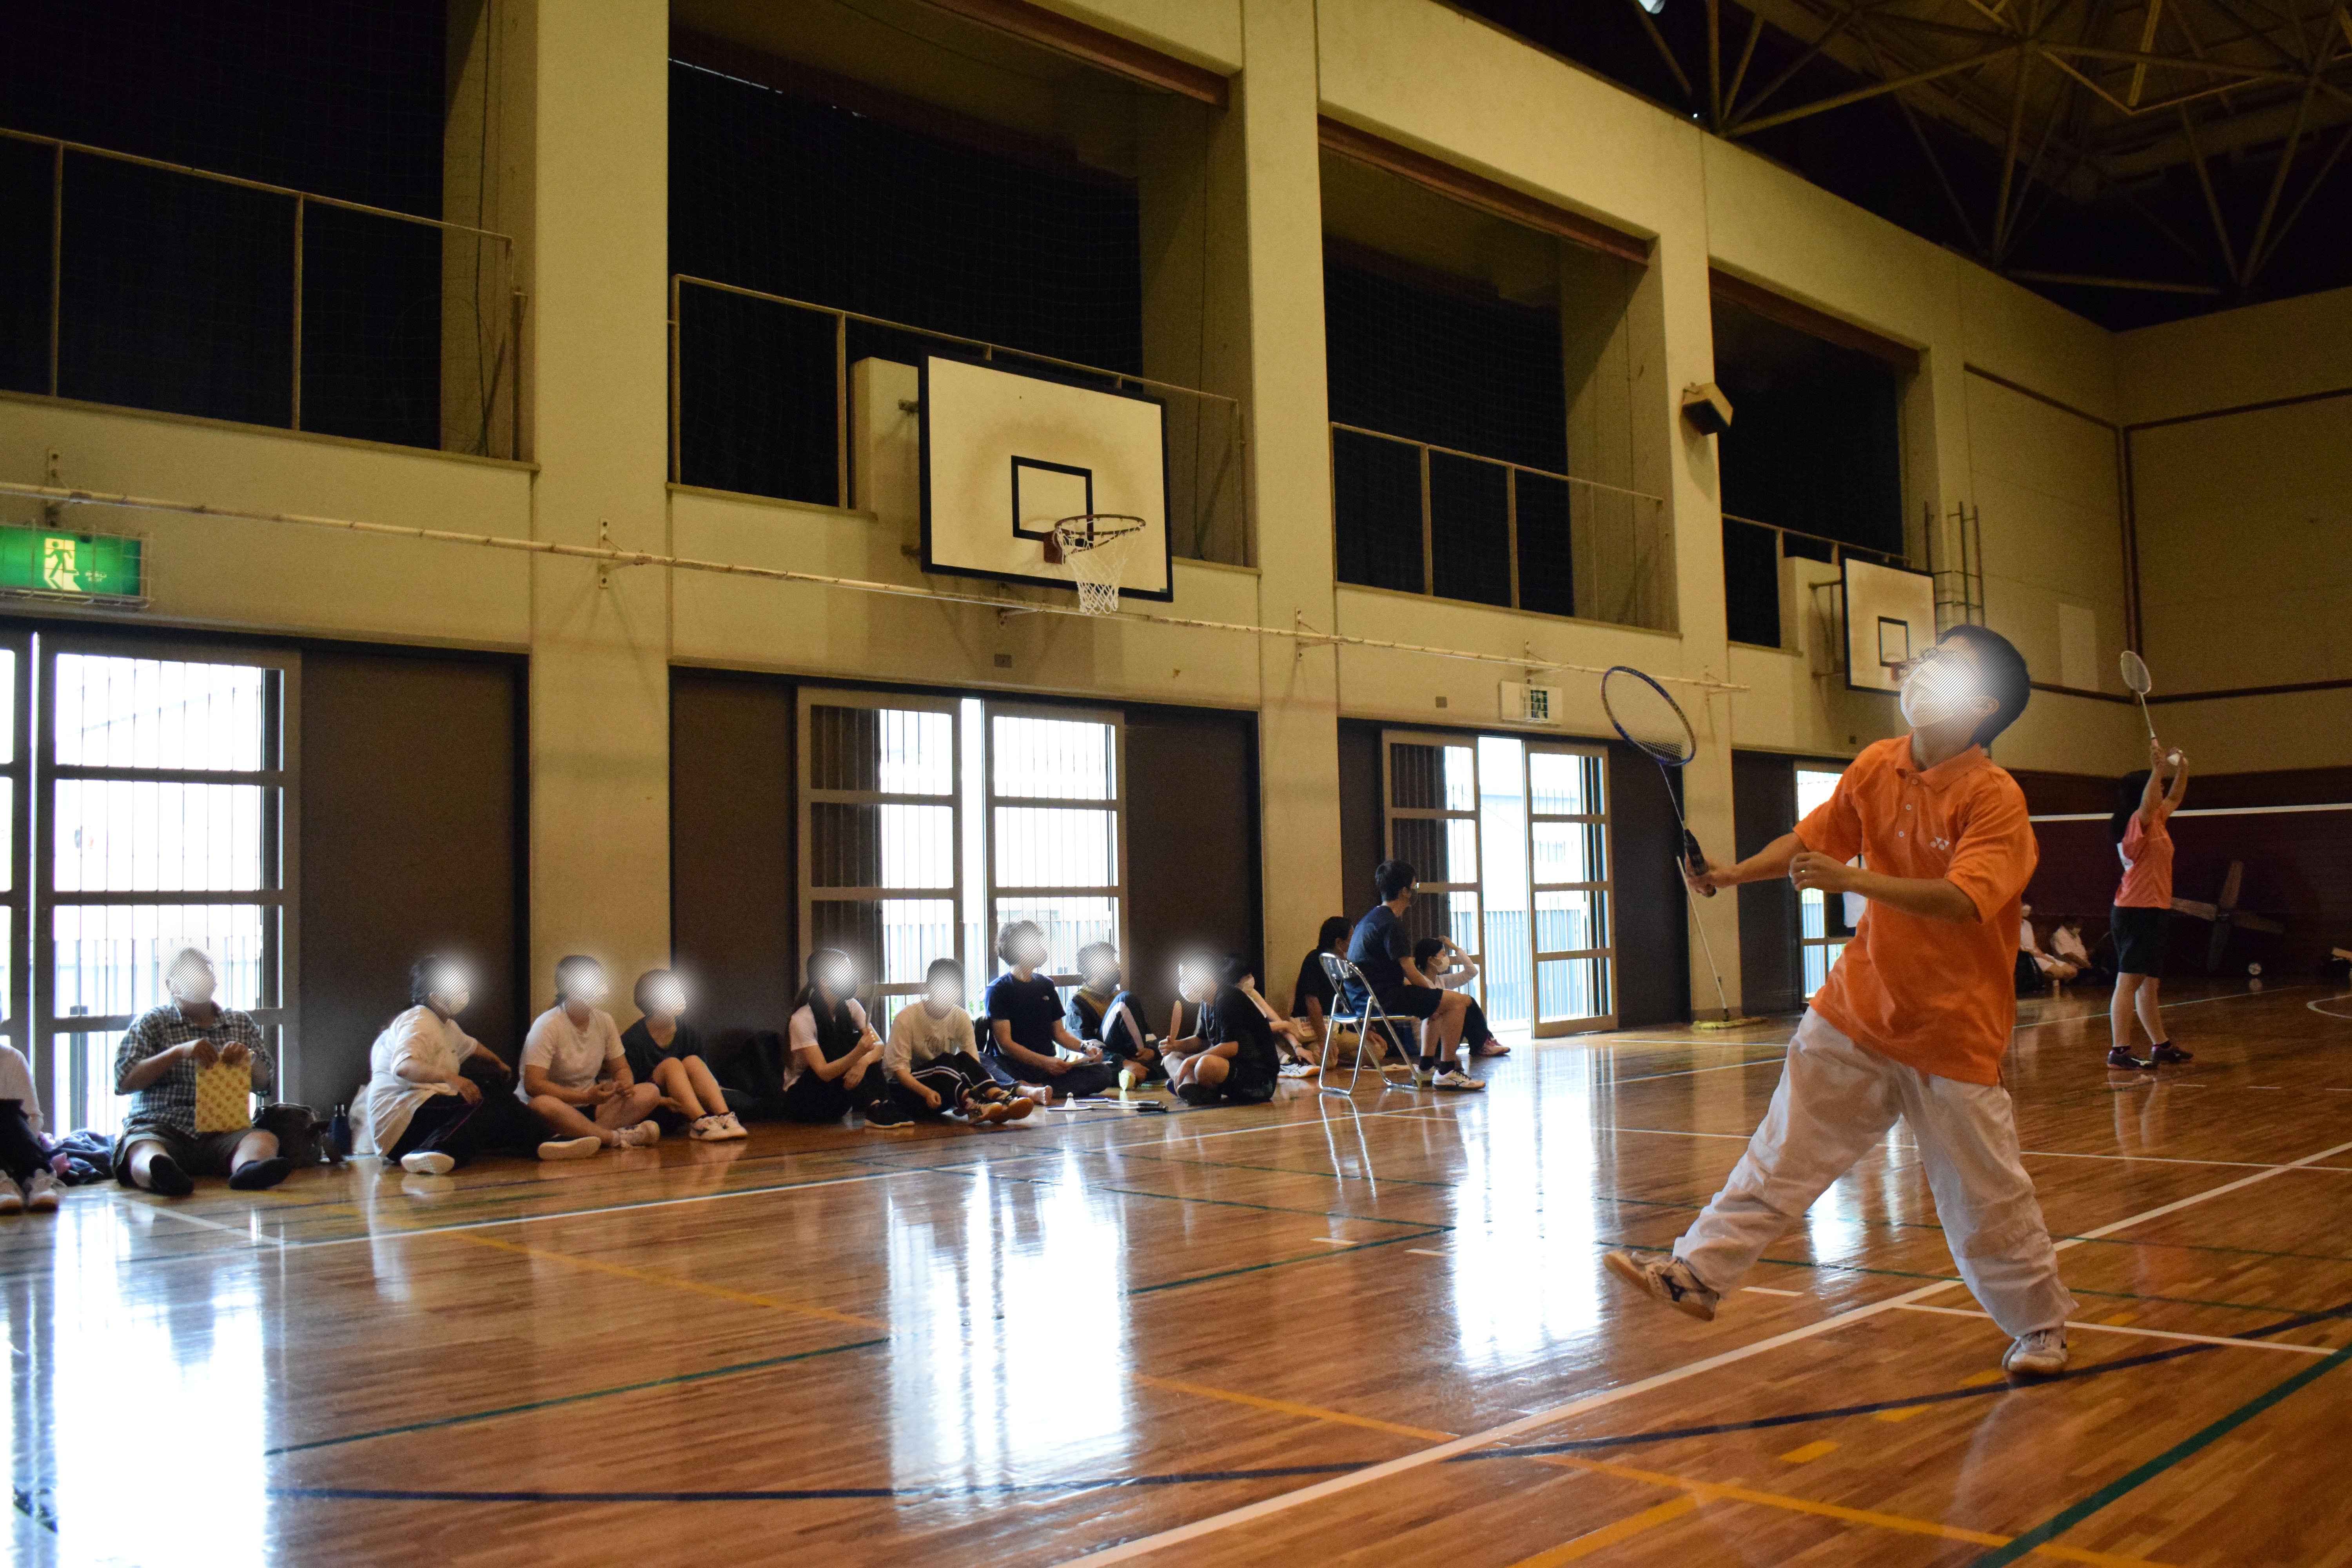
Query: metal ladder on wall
pixel 1956 561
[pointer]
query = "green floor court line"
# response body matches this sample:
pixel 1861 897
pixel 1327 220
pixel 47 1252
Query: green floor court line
pixel 2140 1476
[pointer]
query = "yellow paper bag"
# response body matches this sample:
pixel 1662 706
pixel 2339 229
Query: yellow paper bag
pixel 224 1097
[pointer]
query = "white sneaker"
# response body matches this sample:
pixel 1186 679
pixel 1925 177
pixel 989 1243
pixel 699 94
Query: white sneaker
pixel 42 1191
pixel 731 1126
pixel 2041 1353
pixel 643 1135
pixel 569 1148
pixel 704 1130
pixel 1454 1077
pixel 12 1196
pixel 428 1162
pixel 1669 1279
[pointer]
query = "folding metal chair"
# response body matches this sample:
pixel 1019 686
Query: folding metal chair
pixel 1348 980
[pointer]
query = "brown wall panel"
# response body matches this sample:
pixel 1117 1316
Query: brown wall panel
pixel 1653 928
pixel 734 907
pixel 1193 858
pixel 1763 807
pixel 1362 843
pixel 412 795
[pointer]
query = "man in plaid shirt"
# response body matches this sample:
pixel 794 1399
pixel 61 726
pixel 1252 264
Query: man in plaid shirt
pixel 159 1149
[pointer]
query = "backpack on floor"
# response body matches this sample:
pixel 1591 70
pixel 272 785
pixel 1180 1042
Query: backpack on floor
pixel 302 1135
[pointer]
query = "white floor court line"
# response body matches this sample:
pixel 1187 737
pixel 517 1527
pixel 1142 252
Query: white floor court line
pixel 2146 1334
pixel 2163 1006
pixel 1537 1421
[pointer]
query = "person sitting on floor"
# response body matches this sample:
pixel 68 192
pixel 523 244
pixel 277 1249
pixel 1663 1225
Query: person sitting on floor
pixel 26 1180
pixel 575 1073
pixel 422 1109
pixel 1102 1013
pixel 2047 966
pixel 1381 950
pixel 161 1065
pixel 2066 943
pixel 1449 968
pixel 1311 997
pixel 1026 1035
pixel 934 1057
pixel 666 1052
pixel 1235 1062
pixel 831 1058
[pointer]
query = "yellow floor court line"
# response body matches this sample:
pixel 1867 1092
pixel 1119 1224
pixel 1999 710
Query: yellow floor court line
pixel 1699 1490
pixel 646 1277
pixel 1610 1534
pixel 1708 1491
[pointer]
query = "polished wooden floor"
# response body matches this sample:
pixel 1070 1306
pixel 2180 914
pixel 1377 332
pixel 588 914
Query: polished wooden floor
pixel 1374 1332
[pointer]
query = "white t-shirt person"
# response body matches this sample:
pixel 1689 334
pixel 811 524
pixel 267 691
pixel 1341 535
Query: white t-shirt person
pixel 574 1056
pixel 17 1084
pixel 419 1036
pixel 916 1037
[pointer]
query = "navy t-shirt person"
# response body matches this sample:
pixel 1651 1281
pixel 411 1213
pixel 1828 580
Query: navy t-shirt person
pixel 1024 1024
pixel 1382 950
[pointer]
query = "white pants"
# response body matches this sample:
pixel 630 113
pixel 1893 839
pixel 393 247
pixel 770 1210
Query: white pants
pixel 1835 1100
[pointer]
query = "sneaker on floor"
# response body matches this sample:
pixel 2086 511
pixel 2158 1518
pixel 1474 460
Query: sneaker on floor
pixel 1017 1107
pixel 428 1162
pixel 12 1196
pixel 2119 1057
pixel 1455 1079
pixel 1669 1279
pixel 256 1174
pixel 2041 1353
pixel 886 1116
pixel 643 1135
pixel 2168 1053
pixel 571 1148
pixel 41 1193
pixel 704 1129
pixel 1295 1070
pixel 730 1126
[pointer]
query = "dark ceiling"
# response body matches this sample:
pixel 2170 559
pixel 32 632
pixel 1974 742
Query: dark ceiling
pixel 2136 161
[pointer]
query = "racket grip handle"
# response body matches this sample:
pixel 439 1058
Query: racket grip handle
pixel 1693 857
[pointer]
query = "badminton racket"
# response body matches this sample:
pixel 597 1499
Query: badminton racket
pixel 1653 724
pixel 2136 677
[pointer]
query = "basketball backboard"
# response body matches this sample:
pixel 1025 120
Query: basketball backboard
pixel 1890 617
pixel 1007 454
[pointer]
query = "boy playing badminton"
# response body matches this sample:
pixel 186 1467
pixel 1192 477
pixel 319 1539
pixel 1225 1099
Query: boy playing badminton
pixel 1913 1021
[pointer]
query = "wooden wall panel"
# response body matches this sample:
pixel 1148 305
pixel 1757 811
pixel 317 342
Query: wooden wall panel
pixel 734 907
pixel 1193 857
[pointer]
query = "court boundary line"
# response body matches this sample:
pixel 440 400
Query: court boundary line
pixel 1438 1453
pixel 2072 1326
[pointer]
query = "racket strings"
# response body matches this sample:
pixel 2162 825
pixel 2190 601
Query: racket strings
pixel 1642 713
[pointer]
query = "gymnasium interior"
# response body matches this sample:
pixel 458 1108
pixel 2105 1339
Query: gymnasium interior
pixel 491 481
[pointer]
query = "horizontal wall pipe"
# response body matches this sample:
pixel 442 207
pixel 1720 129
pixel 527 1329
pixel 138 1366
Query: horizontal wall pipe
pixel 608 556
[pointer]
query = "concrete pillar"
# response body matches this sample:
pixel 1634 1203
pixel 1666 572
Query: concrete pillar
pixel 485 147
pixel 1672 316
pixel 1290 433
pixel 600 675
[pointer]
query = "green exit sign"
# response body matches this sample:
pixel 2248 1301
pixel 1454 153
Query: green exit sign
pixel 53 564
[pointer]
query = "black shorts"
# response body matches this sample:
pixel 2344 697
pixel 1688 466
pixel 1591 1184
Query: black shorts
pixel 2141 936
pixel 1410 1001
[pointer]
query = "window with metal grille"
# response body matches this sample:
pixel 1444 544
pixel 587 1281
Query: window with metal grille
pixel 157 820
pixel 928 823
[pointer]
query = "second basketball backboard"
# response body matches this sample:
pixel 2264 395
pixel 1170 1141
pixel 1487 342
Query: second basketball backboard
pixel 1006 455
pixel 1890 617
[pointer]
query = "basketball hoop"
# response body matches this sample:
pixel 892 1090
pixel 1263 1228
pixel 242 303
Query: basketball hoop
pixel 1094 546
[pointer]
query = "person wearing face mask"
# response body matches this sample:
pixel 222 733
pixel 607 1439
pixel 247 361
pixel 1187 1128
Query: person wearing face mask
pixel 423 1110
pixel 933 1056
pixel 1101 1013
pixel 1914 1020
pixel 575 1073
pixel 666 1052
pixel 157 1065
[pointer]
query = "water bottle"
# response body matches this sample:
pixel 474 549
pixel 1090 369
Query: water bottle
pixel 339 1135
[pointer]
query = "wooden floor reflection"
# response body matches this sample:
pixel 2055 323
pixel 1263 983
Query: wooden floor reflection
pixel 1325 1331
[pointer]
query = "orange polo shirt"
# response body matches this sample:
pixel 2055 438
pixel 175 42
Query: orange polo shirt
pixel 1932 995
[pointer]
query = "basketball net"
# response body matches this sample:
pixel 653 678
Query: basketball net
pixel 1095 549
